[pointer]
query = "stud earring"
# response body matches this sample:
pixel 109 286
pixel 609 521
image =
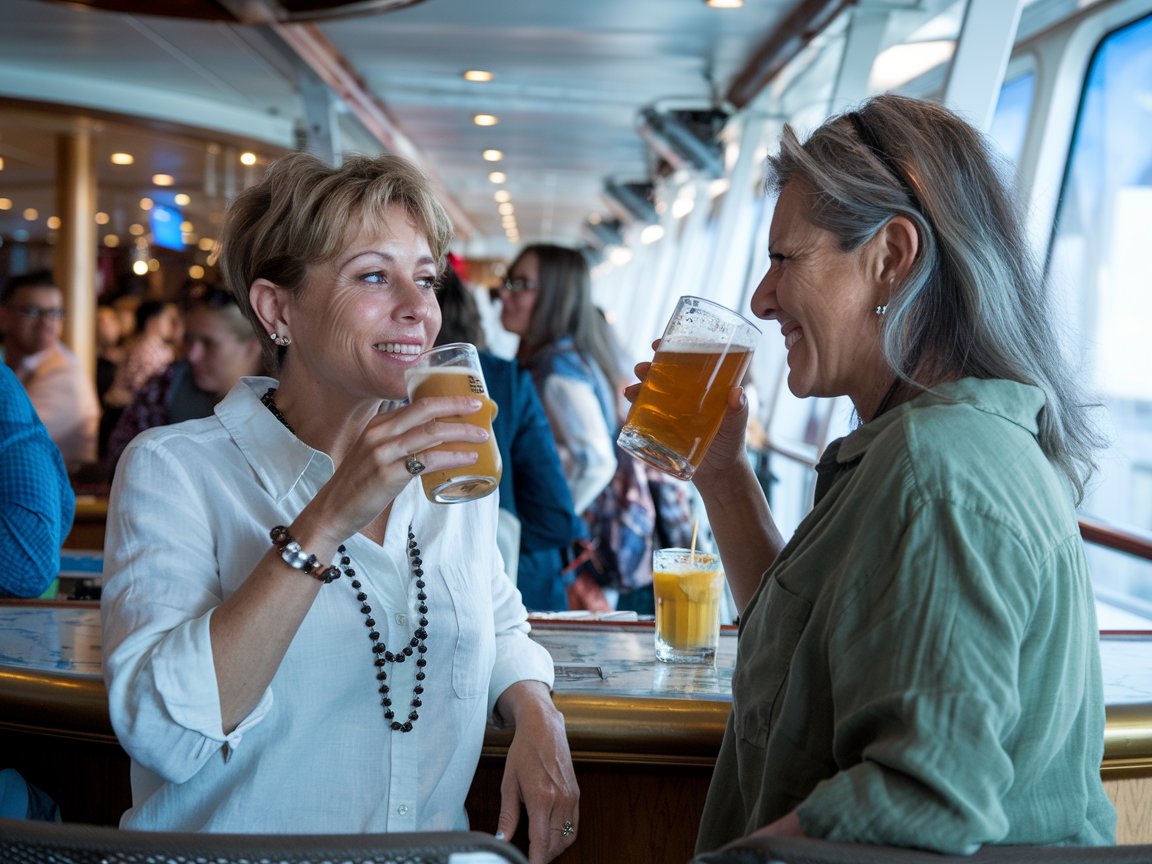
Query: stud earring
pixel 277 339
pixel 881 311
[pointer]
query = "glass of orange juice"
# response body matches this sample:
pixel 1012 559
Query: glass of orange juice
pixel 705 351
pixel 454 370
pixel 689 587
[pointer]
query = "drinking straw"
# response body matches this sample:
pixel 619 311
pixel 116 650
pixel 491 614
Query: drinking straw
pixel 692 551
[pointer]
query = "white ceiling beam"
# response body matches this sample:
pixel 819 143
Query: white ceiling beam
pixel 323 58
pixel 864 42
pixel 982 51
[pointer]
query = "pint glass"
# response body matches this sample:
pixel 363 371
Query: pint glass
pixel 688 588
pixel 454 370
pixel 704 352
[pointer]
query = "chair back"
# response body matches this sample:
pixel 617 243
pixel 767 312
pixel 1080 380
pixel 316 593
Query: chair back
pixel 31 842
pixel 783 850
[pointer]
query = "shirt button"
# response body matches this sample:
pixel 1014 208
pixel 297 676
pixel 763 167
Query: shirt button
pixel 402 809
pixel 401 619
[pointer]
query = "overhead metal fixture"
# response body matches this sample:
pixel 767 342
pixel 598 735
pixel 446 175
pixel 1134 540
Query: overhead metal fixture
pixel 606 232
pixel 249 11
pixel 686 138
pixel 631 202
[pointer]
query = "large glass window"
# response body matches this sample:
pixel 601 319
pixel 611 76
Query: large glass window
pixel 1099 264
pixel 1010 120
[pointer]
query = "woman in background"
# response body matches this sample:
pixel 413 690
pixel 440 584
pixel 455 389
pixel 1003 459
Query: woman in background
pixel 532 489
pixel 220 349
pixel 566 345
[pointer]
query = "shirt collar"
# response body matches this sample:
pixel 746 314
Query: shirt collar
pixel 278 457
pixel 1015 402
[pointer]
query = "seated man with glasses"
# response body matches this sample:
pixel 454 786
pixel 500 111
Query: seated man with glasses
pixel 31 321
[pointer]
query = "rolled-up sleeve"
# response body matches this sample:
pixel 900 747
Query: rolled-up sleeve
pixel 161 586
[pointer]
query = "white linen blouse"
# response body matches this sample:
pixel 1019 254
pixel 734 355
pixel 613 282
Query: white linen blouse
pixel 188 520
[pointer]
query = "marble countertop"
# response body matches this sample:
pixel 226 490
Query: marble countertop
pixel 591 657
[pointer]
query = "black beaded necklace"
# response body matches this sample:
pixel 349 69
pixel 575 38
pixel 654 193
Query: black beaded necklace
pixel 382 655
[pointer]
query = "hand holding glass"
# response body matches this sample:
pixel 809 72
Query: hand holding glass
pixel 454 370
pixel 704 352
pixel 688 587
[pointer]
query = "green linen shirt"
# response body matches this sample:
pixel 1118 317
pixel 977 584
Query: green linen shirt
pixel 920 666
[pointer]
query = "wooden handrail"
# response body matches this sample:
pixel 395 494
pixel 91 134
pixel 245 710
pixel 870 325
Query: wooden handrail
pixel 1121 539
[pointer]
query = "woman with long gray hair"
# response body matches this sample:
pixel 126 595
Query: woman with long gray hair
pixel 918 664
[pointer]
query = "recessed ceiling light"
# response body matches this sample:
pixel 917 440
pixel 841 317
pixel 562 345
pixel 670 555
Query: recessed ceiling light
pixel 163 179
pixel 31 214
pixel 122 158
pixel 502 195
pixel 725 4
pixel 53 222
pixel 1 163
pixel 145 203
pixel 485 119
pixel 248 158
pixel 5 203
pixel 478 75
pixel 498 177
pixel 506 208
pixel 111 241
pixel 102 218
pixel 492 155
pixel 183 199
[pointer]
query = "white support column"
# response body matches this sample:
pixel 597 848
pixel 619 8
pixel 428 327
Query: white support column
pixel 982 51
pixel 729 264
pixel 865 41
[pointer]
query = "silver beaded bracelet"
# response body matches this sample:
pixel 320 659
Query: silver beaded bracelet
pixel 298 559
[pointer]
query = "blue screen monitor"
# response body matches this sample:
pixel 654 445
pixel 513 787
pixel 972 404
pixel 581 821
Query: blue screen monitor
pixel 166 227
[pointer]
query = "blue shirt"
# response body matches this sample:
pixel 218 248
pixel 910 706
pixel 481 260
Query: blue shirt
pixel 36 500
pixel 532 487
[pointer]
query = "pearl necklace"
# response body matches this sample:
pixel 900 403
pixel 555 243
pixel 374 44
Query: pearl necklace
pixel 381 654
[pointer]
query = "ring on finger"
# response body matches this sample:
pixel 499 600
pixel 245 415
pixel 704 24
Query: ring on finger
pixel 413 465
pixel 567 829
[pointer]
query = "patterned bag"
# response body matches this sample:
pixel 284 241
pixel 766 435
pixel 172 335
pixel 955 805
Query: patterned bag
pixel 621 528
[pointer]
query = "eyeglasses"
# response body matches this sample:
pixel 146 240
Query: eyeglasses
pixel 37 312
pixel 518 285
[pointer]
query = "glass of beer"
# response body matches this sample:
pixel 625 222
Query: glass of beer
pixel 688 587
pixel 454 370
pixel 704 352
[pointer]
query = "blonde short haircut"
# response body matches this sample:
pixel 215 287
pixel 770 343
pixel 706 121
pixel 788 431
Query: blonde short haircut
pixel 303 211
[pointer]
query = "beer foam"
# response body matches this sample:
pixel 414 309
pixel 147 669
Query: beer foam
pixel 682 345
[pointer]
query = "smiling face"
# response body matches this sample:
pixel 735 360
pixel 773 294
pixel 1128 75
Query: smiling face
pixel 361 319
pixel 825 301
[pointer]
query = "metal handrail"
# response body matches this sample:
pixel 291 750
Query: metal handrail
pixel 1125 540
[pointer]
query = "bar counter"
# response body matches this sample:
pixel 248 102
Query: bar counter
pixel 644 734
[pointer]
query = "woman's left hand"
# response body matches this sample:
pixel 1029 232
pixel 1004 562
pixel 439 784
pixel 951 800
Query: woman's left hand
pixel 538 773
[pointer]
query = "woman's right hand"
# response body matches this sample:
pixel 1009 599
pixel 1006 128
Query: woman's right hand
pixel 373 471
pixel 728 447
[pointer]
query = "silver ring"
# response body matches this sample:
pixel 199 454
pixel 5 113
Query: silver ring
pixel 413 465
pixel 568 829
